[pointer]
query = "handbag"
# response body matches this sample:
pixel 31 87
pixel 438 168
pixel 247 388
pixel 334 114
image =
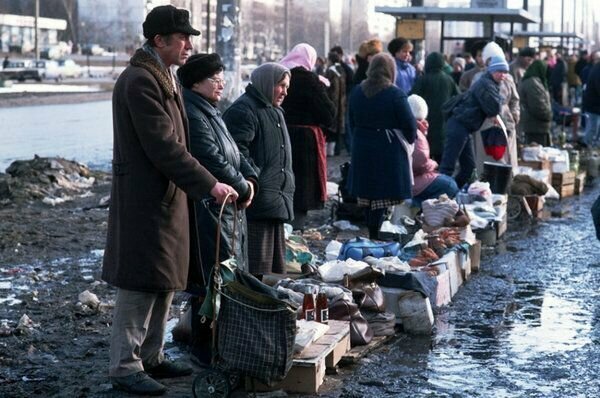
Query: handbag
pixel 360 331
pixel 359 248
pixel 369 298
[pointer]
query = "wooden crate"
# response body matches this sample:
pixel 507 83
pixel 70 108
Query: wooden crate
pixel 564 183
pixel 579 182
pixel 308 369
pixel 566 178
pixel 565 191
pixel 535 204
pixel 536 164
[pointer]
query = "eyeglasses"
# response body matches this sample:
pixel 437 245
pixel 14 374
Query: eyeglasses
pixel 217 82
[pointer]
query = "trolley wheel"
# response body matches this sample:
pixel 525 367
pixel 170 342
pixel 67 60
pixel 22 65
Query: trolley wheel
pixel 234 380
pixel 514 207
pixel 211 383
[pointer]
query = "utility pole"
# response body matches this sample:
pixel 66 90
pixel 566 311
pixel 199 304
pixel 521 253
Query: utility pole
pixel 37 30
pixel 228 38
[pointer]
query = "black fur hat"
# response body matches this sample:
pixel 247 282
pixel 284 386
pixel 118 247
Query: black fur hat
pixel 163 20
pixel 198 67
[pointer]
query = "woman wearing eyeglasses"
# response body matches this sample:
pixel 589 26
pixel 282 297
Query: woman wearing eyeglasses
pixel 212 144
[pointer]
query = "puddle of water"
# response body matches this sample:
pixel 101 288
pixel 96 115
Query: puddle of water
pixel 10 300
pixel 563 325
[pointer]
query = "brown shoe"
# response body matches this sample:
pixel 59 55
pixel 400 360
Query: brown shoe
pixel 138 383
pixel 168 369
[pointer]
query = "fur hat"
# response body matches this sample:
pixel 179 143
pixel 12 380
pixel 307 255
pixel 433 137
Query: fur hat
pixel 163 20
pixel 370 47
pixel 491 49
pixel 497 64
pixel 459 61
pixel 418 106
pixel 527 52
pixel 198 67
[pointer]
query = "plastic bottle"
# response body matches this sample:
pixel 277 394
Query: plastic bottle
pixel 308 305
pixel 322 308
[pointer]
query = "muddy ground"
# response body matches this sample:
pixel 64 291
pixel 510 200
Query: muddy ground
pixel 51 345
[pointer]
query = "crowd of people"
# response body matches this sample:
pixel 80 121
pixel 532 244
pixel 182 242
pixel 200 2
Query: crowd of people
pixel 177 158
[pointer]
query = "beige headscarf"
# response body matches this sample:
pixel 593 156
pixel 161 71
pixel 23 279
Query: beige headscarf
pixel 380 75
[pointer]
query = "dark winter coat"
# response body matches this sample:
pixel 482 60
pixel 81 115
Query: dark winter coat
pixel 536 109
pixel 307 104
pixel 591 95
pixel 215 149
pixel 151 220
pixel 483 101
pixel 260 132
pixel 436 87
pixel 380 168
pixel 337 94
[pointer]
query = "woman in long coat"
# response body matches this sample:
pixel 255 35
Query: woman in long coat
pixel 307 108
pixel 256 123
pixel 382 123
pixel 435 87
pixel 536 108
pixel 213 146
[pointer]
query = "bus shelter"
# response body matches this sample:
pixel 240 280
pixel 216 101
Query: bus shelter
pixel 548 39
pixel 411 20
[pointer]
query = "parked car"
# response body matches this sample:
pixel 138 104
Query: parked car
pixel 69 68
pixel 48 69
pixel 92 49
pixel 20 70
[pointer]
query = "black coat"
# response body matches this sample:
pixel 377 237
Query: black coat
pixel 215 149
pixel 591 95
pixel 307 104
pixel 260 132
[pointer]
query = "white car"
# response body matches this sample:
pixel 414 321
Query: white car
pixel 48 69
pixel 69 68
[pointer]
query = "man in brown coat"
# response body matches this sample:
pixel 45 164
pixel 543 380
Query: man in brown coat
pixel 151 248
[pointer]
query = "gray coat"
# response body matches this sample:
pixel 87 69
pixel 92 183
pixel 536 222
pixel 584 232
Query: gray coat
pixel 536 109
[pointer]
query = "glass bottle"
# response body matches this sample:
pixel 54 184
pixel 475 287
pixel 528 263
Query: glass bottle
pixel 322 308
pixel 308 305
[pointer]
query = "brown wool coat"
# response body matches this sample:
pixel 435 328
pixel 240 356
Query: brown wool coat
pixel 150 223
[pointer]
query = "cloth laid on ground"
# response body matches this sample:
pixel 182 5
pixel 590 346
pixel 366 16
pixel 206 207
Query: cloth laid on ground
pixel 437 211
pixel 334 271
pixel 417 281
pixel 381 323
pixel 523 184
pixel 307 333
pixel 297 252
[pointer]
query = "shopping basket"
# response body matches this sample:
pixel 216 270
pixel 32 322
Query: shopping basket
pixel 253 330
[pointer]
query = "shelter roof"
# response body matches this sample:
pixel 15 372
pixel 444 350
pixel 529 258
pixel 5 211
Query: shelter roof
pixel 461 14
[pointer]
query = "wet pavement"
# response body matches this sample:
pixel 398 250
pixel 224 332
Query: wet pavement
pixel 525 326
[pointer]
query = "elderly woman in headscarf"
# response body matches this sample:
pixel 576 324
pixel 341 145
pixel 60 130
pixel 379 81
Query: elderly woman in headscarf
pixel 383 127
pixel 256 123
pixel 536 107
pixel 307 108
pixel 210 143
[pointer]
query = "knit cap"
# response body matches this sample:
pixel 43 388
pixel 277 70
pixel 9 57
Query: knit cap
pixel 497 64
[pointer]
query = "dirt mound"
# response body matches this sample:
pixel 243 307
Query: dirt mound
pixel 53 180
